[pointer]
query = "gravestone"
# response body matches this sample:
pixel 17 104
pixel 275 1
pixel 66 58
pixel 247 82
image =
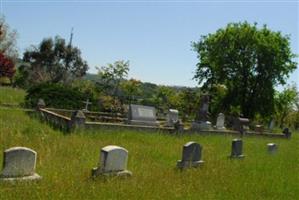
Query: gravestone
pixel 201 121
pixel 220 122
pixel 142 115
pixel 259 128
pixel 40 104
pixel 287 133
pixel 191 156
pixel 172 117
pixel 78 119
pixel 239 123
pixel 113 162
pixel 19 164
pixel 272 148
pixel 87 103
pixel 237 149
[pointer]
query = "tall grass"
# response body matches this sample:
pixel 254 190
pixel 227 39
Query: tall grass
pixel 10 95
pixel 65 163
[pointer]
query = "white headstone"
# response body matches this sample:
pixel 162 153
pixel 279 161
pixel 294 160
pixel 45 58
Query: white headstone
pixel 19 164
pixel 272 148
pixel 113 161
pixel 220 121
pixel 172 117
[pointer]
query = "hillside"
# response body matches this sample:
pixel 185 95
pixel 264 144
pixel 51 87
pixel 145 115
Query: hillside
pixel 65 163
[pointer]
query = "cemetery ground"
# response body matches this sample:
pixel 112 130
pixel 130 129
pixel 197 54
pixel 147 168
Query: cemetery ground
pixel 65 161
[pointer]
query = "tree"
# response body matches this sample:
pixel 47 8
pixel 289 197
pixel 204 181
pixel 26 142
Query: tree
pixel 285 103
pixel 53 61
pixel 111 75
pixel 7 68
pixel 131 89
pixel 8 40
pixel 249 61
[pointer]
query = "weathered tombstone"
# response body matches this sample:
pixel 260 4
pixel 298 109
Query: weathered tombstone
pixel 287 133
pixel 40 104
pixel 239 123
pixel 19 164
pixel 220 122
pixel 87 103
pixel 201 121
pixel 237 149
pixel 172 117
pixel 272 148
pixel 78 119
pixel 142 115
pixel 191 156
pixel 259 128
pixel 113 161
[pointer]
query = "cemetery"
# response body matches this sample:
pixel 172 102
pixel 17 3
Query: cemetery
pixel 142 117
pixel 116 162
pixel 121 109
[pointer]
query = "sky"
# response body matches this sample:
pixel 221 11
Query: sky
pixel 155 36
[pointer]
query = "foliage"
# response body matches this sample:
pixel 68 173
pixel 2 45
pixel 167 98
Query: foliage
pixel 111 75
pixel 285 103
pixel 8 40
pixel 53 61
pixel 131 90
pixel 56 96
pixel 7 68
pixel 249 61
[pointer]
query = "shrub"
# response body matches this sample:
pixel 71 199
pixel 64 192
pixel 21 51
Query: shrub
pixel 56 96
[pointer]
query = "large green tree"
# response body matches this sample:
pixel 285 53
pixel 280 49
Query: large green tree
pixel 53 61
pixel 249 61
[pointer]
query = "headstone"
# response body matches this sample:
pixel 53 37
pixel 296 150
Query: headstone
pixel 287 133
pixel 113 161
pixel 19 164
pixel 172 117
pixel 78 119
pixel 87 103
pixel 220 122
pixel 191 156
pixel 237 149
pixel 201 121
pixel 259 128
pixel 272 148
pixel 41 104
pixel 142 115
pixel 239 123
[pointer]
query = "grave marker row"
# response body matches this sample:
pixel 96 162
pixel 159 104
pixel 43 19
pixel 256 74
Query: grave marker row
pixel 19 162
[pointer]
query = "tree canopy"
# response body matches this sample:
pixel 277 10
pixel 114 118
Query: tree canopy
pixel 249 61
pixel 53 61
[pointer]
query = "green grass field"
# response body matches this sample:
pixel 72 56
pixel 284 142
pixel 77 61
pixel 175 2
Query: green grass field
pixel 65 163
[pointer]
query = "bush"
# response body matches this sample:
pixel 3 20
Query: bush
pixel 56 96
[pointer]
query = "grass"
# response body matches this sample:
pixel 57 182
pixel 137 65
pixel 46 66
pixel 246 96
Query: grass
pixel 10 95
pixel 65 163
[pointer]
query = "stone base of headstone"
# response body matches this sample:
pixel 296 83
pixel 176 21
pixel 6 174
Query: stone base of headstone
pixel 143 123
pixel 237 156
pixel 187 164
pixel 201 126
pixel 95 172
pixel 220 128
pixel 34 177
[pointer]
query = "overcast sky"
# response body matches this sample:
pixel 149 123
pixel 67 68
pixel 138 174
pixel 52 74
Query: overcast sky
pixel 155 36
